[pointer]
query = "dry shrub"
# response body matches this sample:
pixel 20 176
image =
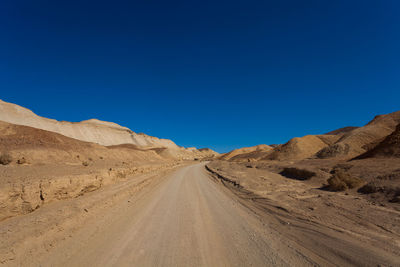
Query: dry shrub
pixel 388 188
pixel 298 174
pixel 5 158
pixel 333 151
pixel 371 187
pixel 341 180
pixel 336 184
pixel 85 163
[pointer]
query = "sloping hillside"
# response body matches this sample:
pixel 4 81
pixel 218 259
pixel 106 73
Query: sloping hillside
pixel 95 131
pixel 252 156
pixel 32 145
pixel 389 147
pixel 98 132
pixel 207 152
pixel 358 141
pixel 344 143
pixel 245 150
pixel 299 148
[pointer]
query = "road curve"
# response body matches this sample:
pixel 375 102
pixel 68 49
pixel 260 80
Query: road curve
pixel 186 220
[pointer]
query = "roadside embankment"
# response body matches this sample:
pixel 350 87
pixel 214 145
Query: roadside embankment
pixel 30 187
pixel 25 238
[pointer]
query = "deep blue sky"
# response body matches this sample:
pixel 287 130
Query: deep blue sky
pixel 219 74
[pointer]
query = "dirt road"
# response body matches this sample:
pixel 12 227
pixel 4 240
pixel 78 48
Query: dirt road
pixel 184 221
pixel 187 219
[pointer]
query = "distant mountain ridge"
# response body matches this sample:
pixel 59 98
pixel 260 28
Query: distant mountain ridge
pixel 346 142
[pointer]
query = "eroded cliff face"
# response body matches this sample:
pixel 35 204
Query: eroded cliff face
pixel 33 186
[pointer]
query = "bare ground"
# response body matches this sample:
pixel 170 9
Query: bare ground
pixel 345 225
pixel 189 217
pixel 26 239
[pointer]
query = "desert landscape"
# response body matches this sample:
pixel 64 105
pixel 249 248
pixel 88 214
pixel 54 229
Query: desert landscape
pixel 199 133
pixel 96 193
pixel 347 181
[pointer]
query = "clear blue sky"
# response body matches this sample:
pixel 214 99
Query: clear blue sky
pixel 219 74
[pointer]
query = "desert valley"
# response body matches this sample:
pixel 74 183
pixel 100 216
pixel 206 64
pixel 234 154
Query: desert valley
pixel 95 193
pixel 199 133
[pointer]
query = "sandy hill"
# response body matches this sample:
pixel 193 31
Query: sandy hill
pixel 95 131
pixel 389 147
pixel 245 150
pixel 41 146
pixel 345 142
pixel 301 147
pixel 359 140
pixel 253 156
pixel 208 152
